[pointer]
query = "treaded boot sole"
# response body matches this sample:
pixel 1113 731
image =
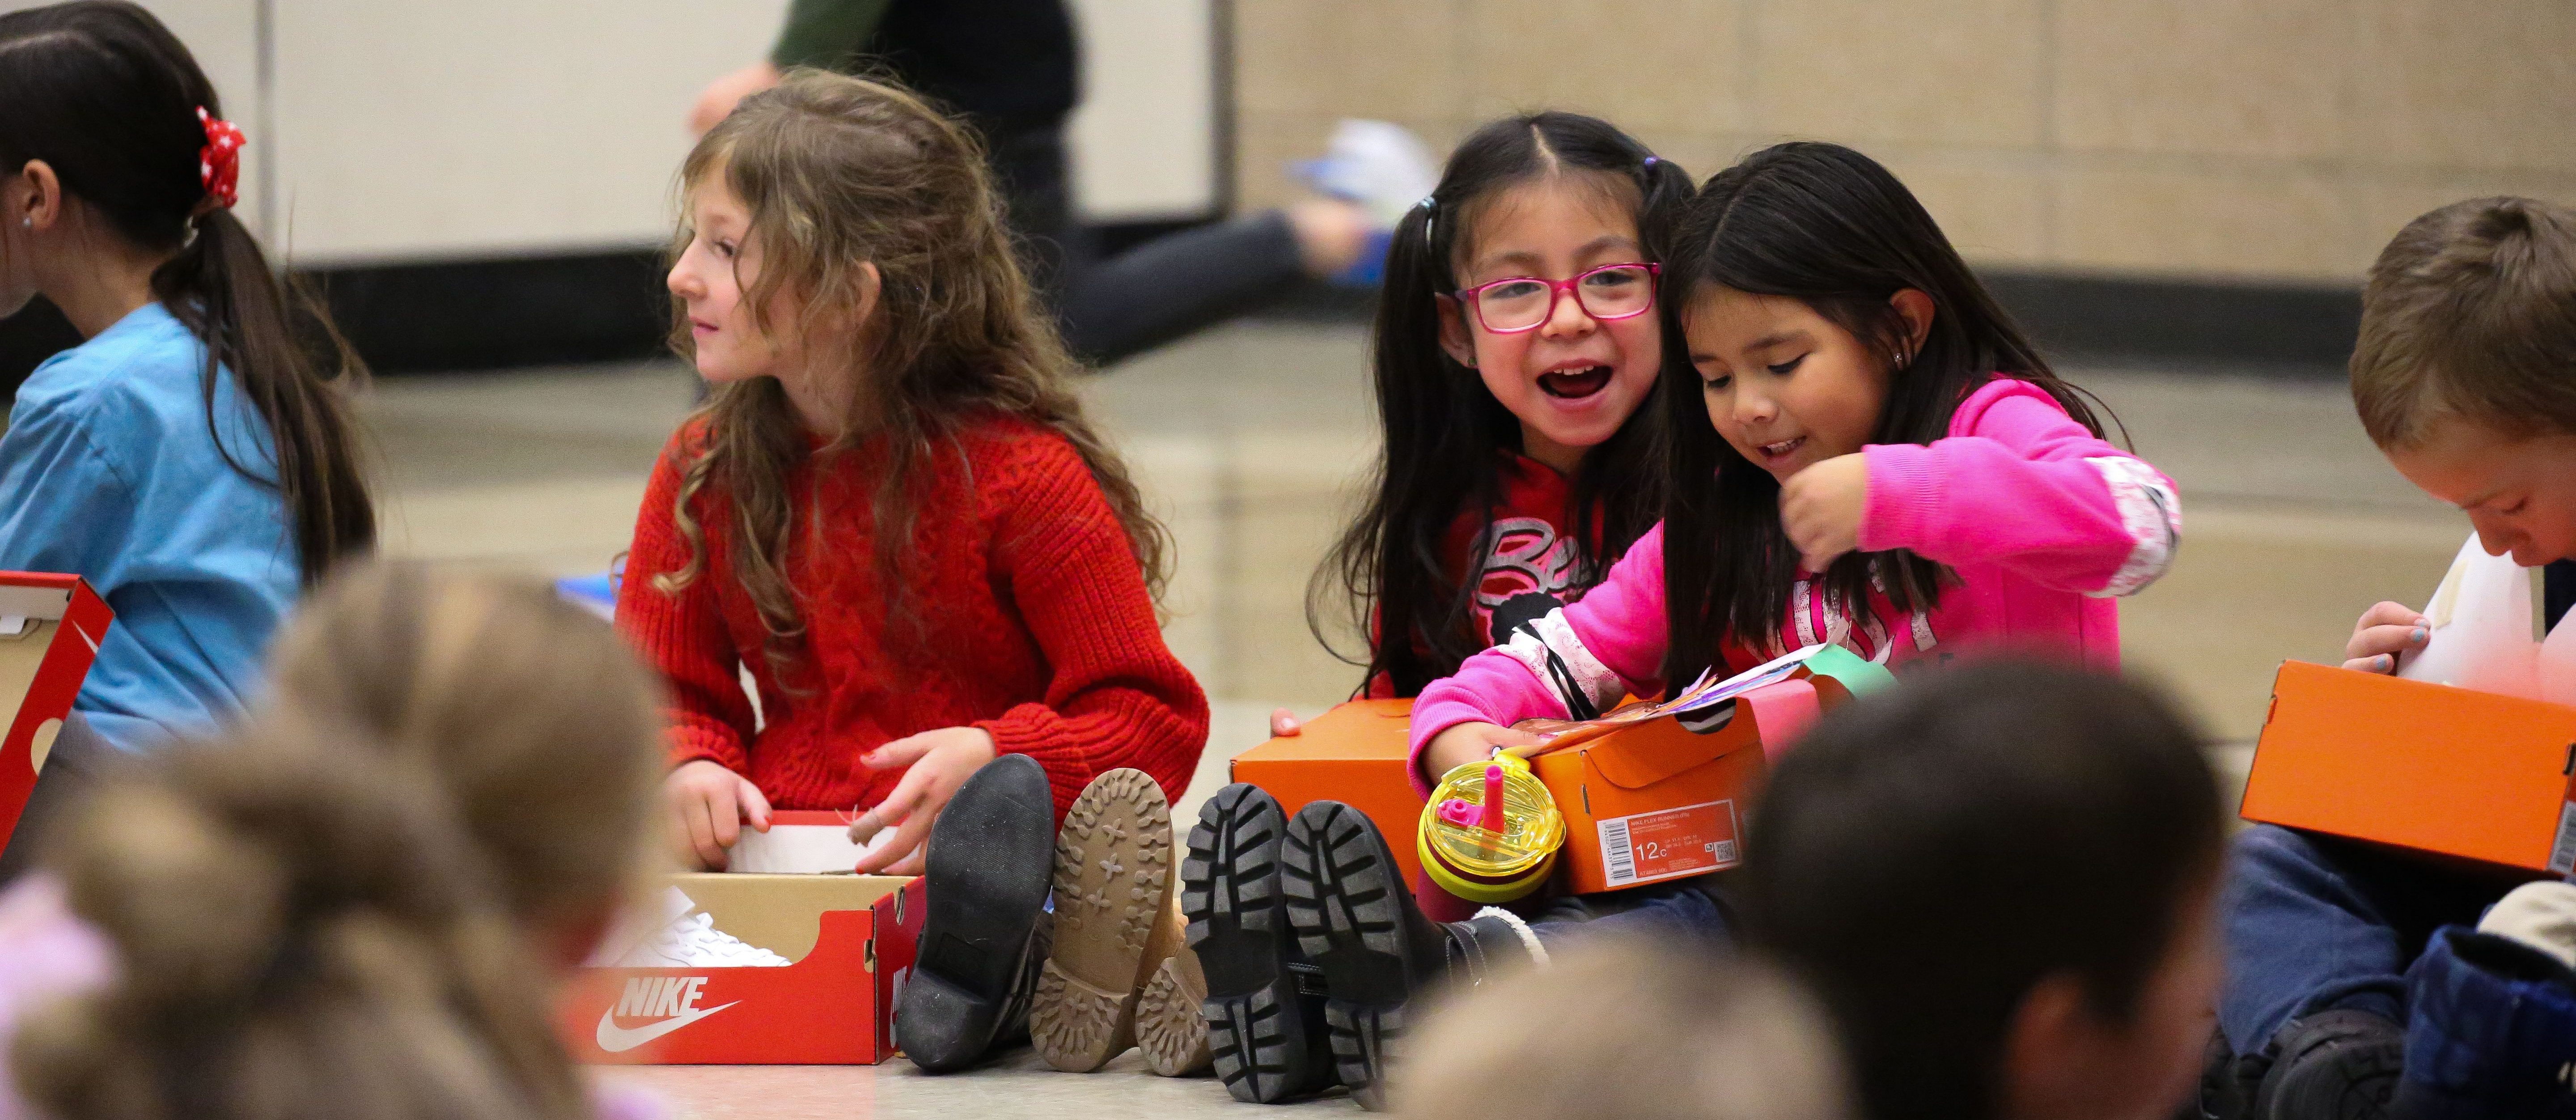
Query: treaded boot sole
pixel 1257 1028
pixel 1170 1028
pixel 1113 878
pixel 2346 1068
pixel 984 892
pixel 1346 902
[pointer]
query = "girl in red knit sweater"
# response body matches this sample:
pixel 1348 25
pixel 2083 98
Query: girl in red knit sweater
pixel 892 513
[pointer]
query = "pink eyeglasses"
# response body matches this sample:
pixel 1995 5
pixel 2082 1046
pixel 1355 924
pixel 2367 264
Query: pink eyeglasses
pixel 1521 303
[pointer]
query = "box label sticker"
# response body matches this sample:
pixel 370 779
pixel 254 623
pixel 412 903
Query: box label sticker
pixel 1668 843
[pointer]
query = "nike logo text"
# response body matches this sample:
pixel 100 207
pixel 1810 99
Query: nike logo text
pixel 673 997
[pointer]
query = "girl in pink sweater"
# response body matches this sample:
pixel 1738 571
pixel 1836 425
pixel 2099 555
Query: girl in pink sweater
pixel 1865 451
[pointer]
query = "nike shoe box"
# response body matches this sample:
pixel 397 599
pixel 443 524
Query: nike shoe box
pixel 50 628
pixel 2420 766
pixel 848 941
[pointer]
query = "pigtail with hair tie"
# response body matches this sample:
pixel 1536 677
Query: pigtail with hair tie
pixel 219 162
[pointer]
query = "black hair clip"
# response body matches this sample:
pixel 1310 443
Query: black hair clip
pixel 1431 205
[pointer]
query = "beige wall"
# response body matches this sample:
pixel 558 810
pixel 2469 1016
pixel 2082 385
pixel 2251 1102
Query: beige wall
pixel 405 131
pixel 2252 139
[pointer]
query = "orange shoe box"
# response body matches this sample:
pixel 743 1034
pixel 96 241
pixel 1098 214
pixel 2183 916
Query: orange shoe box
pixel 1657 801
pixel 851 937
pixel 2428 767
pixel 50 628
pixel 1354 754
pixel 1645 803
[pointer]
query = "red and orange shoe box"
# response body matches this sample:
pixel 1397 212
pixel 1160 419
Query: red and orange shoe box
pixel 50 628
pixel 851 938
pixel 2424 767
pixel 1644 803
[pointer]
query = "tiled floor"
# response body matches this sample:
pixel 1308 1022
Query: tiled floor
pixel 1249 441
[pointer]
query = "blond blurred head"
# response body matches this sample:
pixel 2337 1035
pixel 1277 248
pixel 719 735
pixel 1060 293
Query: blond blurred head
pixel 535 715
pixel 1622 1030
pixel 356 903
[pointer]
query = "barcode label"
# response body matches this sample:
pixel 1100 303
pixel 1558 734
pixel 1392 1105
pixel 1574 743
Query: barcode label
pixel 1668 843
pixel 2562 855
pixel 1619 861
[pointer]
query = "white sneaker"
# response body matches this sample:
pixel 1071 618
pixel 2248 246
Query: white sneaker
pixel 1380 167
pixel 692 941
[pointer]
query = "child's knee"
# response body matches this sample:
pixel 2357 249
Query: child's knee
pixel 2271 854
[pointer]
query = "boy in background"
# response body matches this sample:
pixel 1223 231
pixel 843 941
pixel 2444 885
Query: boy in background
pixel 2355 986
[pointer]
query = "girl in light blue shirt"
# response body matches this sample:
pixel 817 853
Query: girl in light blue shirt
pixel 192 460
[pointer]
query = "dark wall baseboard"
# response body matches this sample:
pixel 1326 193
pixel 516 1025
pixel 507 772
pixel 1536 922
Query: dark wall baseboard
pixel 610 306
pixel 471 315
pixel 2253 328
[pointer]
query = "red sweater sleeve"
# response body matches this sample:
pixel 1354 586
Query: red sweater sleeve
pixel 1115 695
pixel 682 637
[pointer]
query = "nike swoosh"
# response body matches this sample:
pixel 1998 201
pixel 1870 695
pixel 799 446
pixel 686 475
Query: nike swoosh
pixel 618 1040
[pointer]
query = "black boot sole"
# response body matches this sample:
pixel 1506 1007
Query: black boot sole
pixel 1259 1028
pixel 2345 1067
pixel 991 855
pixel 1350 906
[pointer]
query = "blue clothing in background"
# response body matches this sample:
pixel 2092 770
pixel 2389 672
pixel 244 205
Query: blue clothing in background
pixel 109 471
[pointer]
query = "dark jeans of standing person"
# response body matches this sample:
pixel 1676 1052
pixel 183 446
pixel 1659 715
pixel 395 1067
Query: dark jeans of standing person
pixel 1112 308
pixel 73 768
pixel 2315 924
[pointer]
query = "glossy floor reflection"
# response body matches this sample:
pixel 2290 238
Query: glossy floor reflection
pixel 1249 441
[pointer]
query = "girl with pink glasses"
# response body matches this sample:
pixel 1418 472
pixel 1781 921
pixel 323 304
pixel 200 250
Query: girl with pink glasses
pixel 1517 350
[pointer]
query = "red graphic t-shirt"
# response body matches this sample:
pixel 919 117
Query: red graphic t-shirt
pixel 1528 551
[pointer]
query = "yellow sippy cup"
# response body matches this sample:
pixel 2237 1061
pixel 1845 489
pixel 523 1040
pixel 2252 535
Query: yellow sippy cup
pixel 1491 831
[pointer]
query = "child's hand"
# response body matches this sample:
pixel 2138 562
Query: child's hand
pixel 1821 507
pixel 2384 631
pixel 1467 742
pixel 710 804
pixel 1283 723
pixel 938 762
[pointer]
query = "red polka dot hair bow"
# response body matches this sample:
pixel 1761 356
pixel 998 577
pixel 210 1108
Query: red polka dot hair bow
pixel 219 162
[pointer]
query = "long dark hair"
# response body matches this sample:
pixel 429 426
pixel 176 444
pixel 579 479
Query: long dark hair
pixel 106 96
pixel 1982 829
pixel 1829 227
pixel 1443 428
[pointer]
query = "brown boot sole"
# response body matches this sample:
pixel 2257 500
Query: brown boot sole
pixel 1171 1028
pixel 1113 879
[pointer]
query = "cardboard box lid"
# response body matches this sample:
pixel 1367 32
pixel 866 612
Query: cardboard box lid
pixel 1640 756
pixel 32 605
pixel 22 654
pixel 1360 729
pixel 782 913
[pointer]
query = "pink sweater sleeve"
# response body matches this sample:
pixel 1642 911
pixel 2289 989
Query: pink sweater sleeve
pixel 1608 644
pixel 2020 484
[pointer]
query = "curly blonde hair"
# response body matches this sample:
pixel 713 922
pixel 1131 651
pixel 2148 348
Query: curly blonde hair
pixel 837 173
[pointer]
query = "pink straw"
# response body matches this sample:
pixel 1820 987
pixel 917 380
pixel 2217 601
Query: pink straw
pixel 1493 821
